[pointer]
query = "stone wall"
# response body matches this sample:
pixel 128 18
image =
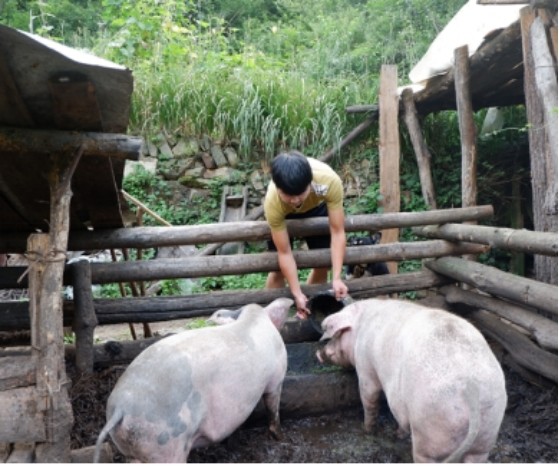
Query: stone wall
pixel 190 163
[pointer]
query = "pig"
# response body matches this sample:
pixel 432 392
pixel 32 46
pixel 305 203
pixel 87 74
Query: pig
pixel 441 380
pixel 197 387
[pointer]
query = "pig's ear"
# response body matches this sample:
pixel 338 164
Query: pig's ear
pixel 277 311
pixel 334 330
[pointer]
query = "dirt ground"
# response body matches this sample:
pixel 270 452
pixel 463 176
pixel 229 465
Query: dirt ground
pixel 528 432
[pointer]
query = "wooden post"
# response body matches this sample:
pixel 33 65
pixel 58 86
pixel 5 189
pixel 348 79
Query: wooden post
pixel 389 151
pixel 48 258
pixel 467 126
pixel 422 153
pixel 85 320
pixel 47 265
pixel 546 84
pixel 545 268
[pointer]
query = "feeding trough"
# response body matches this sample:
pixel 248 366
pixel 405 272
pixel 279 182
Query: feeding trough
pixel 323 304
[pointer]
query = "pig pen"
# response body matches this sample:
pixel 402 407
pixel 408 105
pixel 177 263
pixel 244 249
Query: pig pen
pixel 322 420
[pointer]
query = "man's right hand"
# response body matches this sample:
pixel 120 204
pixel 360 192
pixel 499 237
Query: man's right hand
pixel 301 305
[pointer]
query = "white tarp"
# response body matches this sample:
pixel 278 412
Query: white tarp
pixel 74 54
pixel 469 27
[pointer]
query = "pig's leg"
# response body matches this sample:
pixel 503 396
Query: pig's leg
pixel 272 403
pixel 369 391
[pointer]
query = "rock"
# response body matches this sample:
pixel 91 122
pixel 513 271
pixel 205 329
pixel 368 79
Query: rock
pixel 205 143
pixel 149 164
pixel 152 149
pixel 165 150
pixel 218 156
pixel 231 156
pixel 257 181
pixel 220 173
pixel 185 148
pixel 208 161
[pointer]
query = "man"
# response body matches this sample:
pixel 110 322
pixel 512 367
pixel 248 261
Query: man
pixel 304 187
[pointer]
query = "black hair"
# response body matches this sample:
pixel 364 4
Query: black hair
pixel 291 172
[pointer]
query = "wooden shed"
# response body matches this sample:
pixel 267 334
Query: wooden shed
pixel 63 114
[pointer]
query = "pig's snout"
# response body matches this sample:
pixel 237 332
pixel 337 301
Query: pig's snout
pixel 321 353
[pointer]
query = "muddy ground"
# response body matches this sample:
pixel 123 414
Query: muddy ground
pixel 528 433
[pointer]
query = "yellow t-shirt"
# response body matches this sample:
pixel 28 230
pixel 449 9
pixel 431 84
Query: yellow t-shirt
pixel 326 186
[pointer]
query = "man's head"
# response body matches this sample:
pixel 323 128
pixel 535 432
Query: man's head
pixel 291 173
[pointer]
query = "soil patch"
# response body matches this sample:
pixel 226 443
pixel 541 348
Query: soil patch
pixel 528 433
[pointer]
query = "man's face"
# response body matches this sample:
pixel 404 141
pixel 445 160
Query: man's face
pixel 294 201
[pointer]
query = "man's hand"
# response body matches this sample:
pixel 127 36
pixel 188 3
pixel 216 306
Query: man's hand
pixel 301 305
pixel 340 289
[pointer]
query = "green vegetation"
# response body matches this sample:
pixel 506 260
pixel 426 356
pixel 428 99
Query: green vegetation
pixel 273 74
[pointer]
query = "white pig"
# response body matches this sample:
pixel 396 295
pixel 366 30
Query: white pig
pixel 197 387
pixel 440 378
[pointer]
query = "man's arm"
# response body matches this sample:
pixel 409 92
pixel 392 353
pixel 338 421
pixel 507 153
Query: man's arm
pixel 288 268
pixel 336 220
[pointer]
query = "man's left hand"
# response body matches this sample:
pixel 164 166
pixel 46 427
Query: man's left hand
pixel 340 289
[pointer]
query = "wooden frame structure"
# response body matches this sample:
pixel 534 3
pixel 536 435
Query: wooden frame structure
pixel 519 314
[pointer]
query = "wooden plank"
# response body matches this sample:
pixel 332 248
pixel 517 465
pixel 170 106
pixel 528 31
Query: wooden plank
pixel 389 151
pixel 21 415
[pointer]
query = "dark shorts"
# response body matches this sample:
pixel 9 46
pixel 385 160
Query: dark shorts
pixel 313 242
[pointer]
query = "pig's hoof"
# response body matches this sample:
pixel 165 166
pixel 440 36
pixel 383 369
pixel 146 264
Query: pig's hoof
pixel 276 433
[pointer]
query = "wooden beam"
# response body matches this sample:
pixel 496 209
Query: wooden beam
pixel 542 329
pixel 521 290
pixel 422 154
pixel 532 242
pixel 14 316
pixel 389 150
pixel 521 348
pixel 47 142
pixel 215 266
pixel 149 237
pixel 194 267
